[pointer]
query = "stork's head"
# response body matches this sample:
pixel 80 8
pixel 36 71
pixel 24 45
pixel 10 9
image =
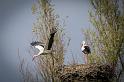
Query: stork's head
pixel 83 42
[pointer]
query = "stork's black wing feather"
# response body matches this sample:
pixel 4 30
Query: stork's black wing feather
pixel 86 50
pixel 36 43
pixel 51 39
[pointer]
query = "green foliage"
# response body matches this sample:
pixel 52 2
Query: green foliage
pixel 34 8
pixel 107 36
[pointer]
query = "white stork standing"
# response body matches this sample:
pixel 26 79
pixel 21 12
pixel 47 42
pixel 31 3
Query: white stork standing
pixel 40 46
pixel 86 50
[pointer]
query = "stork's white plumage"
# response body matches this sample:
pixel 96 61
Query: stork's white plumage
pixel 85 49
pixel 41 50
pixel 82 46
pixel 39 46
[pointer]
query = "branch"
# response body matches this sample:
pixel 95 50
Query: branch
pixel 48 52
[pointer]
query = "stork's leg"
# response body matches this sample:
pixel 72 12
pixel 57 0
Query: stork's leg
pixel 85 56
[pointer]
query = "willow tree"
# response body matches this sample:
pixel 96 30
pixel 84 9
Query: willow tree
pixel 106 37
pixel 47 21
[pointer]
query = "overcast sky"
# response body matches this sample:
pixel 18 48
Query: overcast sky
pixel 16 20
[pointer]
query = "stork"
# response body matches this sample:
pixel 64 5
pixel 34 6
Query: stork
pixel 86 50
pixel 40 46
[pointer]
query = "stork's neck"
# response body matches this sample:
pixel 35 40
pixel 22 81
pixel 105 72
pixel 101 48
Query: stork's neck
pixel 82 45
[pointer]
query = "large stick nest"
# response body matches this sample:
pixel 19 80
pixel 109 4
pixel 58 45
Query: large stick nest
pixel 83 72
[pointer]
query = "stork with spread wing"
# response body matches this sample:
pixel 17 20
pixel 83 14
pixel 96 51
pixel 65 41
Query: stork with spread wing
pixel 40 46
